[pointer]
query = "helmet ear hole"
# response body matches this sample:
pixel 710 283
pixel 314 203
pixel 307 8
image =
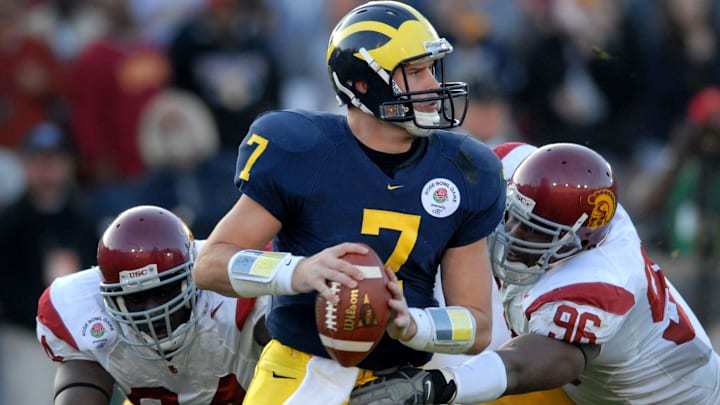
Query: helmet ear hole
pixel 361 86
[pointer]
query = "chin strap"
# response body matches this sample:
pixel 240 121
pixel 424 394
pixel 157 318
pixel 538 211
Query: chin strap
pixel 414 129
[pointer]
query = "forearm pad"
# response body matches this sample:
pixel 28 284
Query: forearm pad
pixel 443 330
pixel 254 273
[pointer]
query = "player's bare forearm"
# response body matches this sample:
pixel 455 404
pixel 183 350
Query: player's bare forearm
pixel 484 331
pixel 468 283
pixel 82 382
pixel 246 226
pixel 210 270
pixel 535 362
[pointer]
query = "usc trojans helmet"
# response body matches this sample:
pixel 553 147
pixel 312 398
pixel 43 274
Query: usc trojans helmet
pixel 146 257
pixel 560 201
pixel 374 40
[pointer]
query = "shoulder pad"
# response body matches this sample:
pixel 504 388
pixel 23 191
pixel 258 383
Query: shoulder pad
pixel 73 309
pixel 472 156
pixel 295 130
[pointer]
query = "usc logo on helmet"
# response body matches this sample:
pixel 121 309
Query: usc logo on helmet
pixel 603 203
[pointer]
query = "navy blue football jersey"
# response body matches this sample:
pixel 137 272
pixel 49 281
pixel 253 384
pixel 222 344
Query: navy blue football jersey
pixel 308 170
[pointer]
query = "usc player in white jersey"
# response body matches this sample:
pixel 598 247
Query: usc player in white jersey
pixel 592 313
pixel 137 321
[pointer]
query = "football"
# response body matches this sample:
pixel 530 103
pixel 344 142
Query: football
pixel 352 328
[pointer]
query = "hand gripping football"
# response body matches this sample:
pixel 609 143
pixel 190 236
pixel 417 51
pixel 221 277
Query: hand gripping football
pixel 352 328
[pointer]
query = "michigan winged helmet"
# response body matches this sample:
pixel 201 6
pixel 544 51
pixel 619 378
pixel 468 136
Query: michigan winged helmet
pixel 370 44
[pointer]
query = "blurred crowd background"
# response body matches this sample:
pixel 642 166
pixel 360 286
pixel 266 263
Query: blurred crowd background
pixel 105 104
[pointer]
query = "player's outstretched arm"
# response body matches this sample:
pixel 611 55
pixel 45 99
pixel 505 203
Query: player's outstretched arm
pixel 82 382
pixel 246 226
pixel 531 362
pixel 524 364
pixel 232 263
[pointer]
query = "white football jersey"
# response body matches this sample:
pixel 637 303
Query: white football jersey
pixel 653 349
pixel 216 368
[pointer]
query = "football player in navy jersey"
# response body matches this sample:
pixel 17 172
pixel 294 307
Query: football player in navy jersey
pixel 389 174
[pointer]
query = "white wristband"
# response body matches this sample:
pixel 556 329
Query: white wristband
pixel 254 273
pixel 482 378
pixel 424 329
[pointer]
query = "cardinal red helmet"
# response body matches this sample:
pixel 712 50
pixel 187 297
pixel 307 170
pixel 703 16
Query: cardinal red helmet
pixel 560 201
pixel 146 257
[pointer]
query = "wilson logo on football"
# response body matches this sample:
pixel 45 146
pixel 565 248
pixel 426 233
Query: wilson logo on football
pixel 351 311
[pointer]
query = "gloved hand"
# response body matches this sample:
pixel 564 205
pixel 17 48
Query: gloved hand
pixel 407 386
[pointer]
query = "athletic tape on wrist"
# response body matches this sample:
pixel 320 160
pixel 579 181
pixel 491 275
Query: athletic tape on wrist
pixel 442 330
pixel 254 273
pixel 482 378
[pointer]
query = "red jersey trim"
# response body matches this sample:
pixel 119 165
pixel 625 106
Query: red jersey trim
pixel 607 297
pixel 242 309
pixel 48 316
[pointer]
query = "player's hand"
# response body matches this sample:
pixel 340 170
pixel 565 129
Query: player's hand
pixel 314 272
pixel 401 325
pixel 408 385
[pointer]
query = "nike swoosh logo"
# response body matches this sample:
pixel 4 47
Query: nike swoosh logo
pixel 428 390
pixel 276 375
pixel 212 313
pixel 393 187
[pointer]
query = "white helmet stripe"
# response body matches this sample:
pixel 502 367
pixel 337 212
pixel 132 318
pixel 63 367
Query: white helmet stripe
pixel 374 65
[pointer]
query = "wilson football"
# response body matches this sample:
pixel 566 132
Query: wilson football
pixel 352 328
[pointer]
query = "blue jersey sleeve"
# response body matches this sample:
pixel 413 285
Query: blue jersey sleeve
pixel 275 161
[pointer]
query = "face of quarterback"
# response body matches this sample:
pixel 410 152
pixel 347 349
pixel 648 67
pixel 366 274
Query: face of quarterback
pixel 418 77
